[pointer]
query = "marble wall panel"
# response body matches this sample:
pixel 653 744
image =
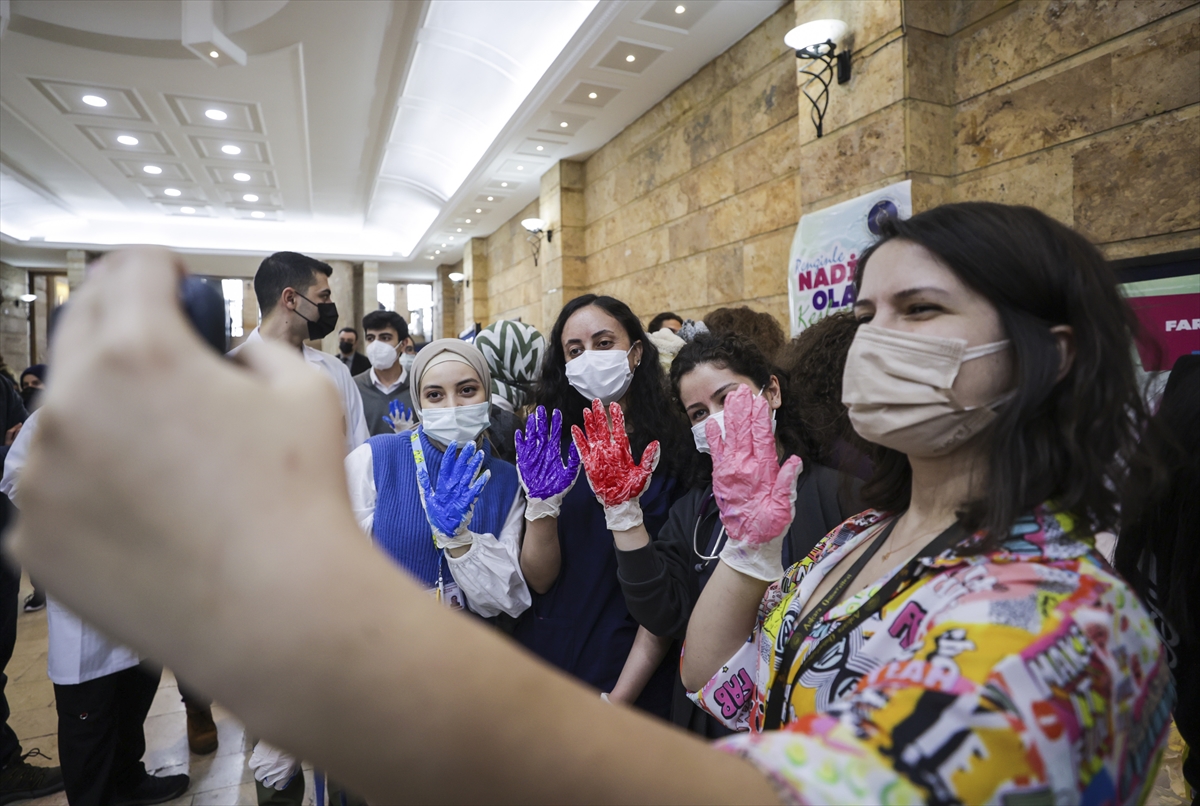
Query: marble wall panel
pixel 709 131
pixel 1040 180
pixel 765 263
pixel 1027 36
pixel 930 138
pixel 929 65
pixel 1140 180
pixel 712 181
pixel 1154 245
pixel 725 274
pixel 754 51
pixel 600 195
pixel 690 235
pixel 867 21
pixel 765 100
pixel 772 154
pixel 855 156
pixel 1009 123
pixel 1158 72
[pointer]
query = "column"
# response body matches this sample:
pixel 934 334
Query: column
pixel 370 288
pixel 76 263
pixel 563 256
pixel 342 283
pixel 475 283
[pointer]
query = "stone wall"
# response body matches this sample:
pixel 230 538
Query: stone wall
pixel 693 206
pixel 14 317
pixel 1086 109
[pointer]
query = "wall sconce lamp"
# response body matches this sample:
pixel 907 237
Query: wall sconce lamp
pixel 536 227
pixel 27 298
pixel 816 43
pixel 455 276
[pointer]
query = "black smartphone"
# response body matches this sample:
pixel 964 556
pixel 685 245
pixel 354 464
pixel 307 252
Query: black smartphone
pixel 205 307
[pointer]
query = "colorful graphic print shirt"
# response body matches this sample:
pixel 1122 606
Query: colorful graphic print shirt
pixel 1029 674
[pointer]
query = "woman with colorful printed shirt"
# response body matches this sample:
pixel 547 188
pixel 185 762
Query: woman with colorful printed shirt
pixel 1041 687
pixel 964 642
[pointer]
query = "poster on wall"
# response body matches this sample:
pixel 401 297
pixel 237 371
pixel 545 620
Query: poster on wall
pixel 825 252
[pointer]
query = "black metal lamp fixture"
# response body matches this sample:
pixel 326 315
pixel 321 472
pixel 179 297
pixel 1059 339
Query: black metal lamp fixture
pixel 537 227
pixel 816 43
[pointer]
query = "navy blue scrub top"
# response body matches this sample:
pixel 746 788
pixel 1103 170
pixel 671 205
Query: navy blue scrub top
pixel 581 625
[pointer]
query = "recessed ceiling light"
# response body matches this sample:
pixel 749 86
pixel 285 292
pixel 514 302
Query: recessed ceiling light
pixel 468 221
pixel 451 238
pixel 250 197
pixel 503 184
pixel 94 100
pixel 152 169
pixel 187 210
pixel 593 95
pixel 173 192
pixel 127 140
pixel 489 198
pixel 242 177
pixel 231 150
pixel 444 245
pixel 680 9
pixel 429 256
pixel 520 167
pixel 564 125
pixel 631 58
pixel 215 114
pixel 541 148
pixel 214 54
pixel 258 214
pixel 437 251
pixel 479 209
pixel 458 230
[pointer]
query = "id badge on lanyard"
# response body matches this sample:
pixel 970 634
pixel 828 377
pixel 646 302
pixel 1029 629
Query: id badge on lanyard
pixel 448 595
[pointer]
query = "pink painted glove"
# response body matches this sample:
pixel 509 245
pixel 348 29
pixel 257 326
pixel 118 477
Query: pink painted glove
pixel 608 462
pixel 756 496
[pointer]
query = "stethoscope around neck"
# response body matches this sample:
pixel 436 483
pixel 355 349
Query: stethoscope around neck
pixel 721 535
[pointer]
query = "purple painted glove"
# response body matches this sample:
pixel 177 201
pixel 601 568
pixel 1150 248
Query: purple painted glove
pixel 540 467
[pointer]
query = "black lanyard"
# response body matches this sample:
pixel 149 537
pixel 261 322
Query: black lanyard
pixel 780 690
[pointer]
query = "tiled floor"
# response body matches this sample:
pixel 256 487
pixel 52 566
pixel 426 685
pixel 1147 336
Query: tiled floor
pixel 222 779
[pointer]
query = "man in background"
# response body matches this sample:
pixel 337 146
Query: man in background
pixel 296 303
pixel 348 353
pixel 386 379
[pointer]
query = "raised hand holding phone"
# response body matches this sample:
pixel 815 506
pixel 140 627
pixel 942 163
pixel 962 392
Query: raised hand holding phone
pixel 608 462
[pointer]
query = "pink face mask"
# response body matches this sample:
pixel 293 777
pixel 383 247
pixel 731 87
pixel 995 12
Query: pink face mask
pixel 899 389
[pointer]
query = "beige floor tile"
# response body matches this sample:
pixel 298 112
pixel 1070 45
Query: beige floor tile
pixel 29 696
pixel 57 799
pixel 244 795
pixel 34 724
pixel 166 701
pixel 166 741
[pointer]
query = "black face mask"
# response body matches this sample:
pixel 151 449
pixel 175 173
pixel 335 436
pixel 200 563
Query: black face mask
pixel 30 396
pixel 346 347
pixel 326 321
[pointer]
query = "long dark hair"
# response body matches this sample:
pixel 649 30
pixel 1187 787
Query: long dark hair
pixel 739 354
pixel 1073 440
pixel 1162 514
pixel 650 415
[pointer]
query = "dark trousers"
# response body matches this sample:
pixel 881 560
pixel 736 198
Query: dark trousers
pixel 101 738
pixel 10 588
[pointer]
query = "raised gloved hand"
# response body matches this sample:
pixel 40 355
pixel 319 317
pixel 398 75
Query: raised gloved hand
pixel 540 467
pixel 401 417
pixel 617 482
pixel 449 507
pixel 756 495
pixel 272 767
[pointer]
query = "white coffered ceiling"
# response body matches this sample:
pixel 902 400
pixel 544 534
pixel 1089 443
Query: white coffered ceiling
pixel 361 129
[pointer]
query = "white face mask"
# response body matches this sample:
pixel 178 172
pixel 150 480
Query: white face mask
pixel 406 360
pixel 459 424
pixel 381 355
pixel 898 388
pixel 700 437
pixel 603 374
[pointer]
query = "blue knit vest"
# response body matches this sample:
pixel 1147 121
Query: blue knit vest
pixel 401 528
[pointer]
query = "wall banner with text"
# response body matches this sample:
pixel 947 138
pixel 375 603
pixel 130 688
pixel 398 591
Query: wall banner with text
pixel 826 248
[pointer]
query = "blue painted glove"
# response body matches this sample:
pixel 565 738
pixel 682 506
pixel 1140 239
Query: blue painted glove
pixel 459 484
pixel 401 418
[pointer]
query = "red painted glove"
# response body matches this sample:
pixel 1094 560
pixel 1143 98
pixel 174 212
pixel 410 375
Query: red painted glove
pixel 608 462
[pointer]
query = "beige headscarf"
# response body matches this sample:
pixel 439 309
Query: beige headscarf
pixel 441 351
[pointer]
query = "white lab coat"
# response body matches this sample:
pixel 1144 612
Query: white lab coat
pixel 356 422
pixel 78 652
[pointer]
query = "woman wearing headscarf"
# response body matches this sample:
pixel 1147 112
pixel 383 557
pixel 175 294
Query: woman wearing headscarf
pixel 438 503
pixel 513 351
pixel 435 499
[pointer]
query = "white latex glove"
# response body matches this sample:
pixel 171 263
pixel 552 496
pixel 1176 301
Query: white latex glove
pixel 272 767
pixel 762 561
